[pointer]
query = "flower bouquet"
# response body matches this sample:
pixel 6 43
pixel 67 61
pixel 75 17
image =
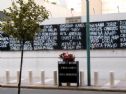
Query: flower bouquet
pixel 67 57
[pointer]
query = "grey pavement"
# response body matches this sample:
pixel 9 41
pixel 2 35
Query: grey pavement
pixel 119 87
pixel 53 91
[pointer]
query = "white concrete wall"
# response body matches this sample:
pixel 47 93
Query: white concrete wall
pixel 47 59
pixel 95 18
pixel 102 61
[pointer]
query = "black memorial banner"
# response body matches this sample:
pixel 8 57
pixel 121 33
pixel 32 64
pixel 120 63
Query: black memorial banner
pixel 105 35
pixel 122 29
pixel 4 41
pixel 72 36
pixel 47 38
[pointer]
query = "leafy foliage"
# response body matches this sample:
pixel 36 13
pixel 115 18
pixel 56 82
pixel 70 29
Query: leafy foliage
pixel 22 19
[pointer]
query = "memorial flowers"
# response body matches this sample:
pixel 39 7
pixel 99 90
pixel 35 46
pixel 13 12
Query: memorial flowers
pixel 67 57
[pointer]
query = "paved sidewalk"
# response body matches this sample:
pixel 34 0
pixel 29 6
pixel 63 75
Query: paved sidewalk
pixel 119 86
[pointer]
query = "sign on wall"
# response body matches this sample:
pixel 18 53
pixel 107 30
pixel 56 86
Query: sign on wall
pixel 73 19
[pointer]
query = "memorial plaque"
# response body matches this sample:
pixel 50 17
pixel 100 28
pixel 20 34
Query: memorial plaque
pixel 68 72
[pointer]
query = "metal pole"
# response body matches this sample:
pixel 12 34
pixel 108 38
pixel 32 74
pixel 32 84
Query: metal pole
pixel 88 45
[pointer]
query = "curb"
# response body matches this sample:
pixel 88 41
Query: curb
pixel 85 88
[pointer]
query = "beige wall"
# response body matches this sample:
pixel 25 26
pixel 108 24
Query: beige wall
pixel 114 6
pixel 95 7
pixel 57 10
